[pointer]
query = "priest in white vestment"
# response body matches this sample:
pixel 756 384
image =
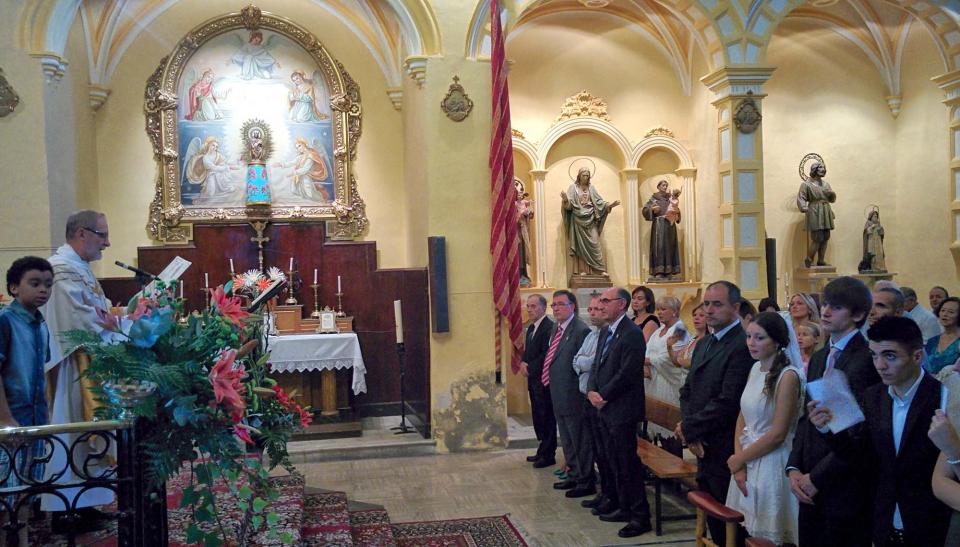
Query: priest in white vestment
pixel 73 302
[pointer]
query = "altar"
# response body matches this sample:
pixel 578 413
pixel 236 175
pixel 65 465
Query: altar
pixel 320 352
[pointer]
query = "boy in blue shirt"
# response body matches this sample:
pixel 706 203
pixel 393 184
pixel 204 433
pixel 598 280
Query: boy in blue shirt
pixel 24 348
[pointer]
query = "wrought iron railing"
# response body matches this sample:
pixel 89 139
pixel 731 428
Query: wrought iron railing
pixel 78 458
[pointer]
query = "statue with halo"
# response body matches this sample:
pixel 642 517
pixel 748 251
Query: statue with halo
pixel 814 199
pixel 584 214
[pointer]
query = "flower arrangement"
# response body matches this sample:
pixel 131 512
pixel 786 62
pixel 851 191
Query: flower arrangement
pixel 252 282
pixel 213 403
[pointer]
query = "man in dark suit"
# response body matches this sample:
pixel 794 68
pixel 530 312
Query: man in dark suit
pixel 568 403
pixel 615 389
pixel 710 396
pixel 893 444
pixel 541 407
pixel 835 496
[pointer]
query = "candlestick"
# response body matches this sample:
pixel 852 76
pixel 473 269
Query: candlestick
pixel 291 281
pixel 206 298
pixel 314 276
pixel 398 320
pixel 231 267
pixel 340 305
pixel 316 301
pixel 339 290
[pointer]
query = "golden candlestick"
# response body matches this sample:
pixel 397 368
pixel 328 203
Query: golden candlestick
pixel 206 298
pixel 316 302
pixel 291 280
pixel 340 305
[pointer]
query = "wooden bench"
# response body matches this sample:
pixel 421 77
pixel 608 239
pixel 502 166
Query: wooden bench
pixel 662 464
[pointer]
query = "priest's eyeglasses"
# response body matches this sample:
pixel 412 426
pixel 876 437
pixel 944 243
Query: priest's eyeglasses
pixel 103 235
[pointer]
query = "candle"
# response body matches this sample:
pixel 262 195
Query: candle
pixel 314 276
pixel 398 319
pixel 181 290
pixel 231 266
pixel 338 285
pixel 291 263
pixel 206 280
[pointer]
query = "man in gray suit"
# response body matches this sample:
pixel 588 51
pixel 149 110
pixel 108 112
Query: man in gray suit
pixel 566 337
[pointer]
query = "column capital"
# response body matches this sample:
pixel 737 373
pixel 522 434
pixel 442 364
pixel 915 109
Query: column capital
pixel 950 84
pixel 538 173
pixel 98 96
pixel 626 172
pixel 416 66
pixel 686 172
pixel 736 81
pixel 396 97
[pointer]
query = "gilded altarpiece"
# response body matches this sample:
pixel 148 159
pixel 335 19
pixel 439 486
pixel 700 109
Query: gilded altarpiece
pixel 231 71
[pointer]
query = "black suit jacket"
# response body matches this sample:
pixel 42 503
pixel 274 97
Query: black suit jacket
pixel 841 488
pixel 617 373
pixel 901 477
pixel 564 383
pixel 535 349
pixel 710 398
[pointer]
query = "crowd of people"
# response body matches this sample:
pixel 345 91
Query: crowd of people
pixel 763 446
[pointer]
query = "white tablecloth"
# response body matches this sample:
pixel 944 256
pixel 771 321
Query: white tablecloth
pixel 305 352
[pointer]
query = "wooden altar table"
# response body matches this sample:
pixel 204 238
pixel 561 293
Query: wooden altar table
pixel 323 352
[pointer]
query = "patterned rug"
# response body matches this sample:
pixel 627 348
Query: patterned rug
pixel 326 520
pixel 474 532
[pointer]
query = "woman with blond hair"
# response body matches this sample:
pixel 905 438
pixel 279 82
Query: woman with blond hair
pixel 664 377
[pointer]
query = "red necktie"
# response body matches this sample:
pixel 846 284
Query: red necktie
pixel 551 353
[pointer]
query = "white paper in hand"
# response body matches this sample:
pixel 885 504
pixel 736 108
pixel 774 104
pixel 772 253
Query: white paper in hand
pixel 952 381
pixel 834 393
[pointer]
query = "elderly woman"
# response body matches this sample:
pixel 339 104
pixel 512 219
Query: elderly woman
pixel 664 376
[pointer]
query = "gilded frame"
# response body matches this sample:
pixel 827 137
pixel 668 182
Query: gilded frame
pixel 169 221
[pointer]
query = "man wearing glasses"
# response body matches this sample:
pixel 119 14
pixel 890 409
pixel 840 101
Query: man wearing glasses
pixel 615 389
pixel 74 299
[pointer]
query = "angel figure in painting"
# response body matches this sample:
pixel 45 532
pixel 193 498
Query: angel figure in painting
pixel 204 96
pixel 307 98
pixel 309 171
pixel 254 57
pixel 207 168
pixel 874 259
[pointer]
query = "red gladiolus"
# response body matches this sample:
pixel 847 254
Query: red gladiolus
pixel 282 396
pixel 243 434
pixel 225 379
pixel 306 418
pixel 228 307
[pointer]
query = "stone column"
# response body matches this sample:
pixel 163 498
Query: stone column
pixel 635 267
pixel 540 233
pixel 950 84
pixel 688 225
pixel 740 170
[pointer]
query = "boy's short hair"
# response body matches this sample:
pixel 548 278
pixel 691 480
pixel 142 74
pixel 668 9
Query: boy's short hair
pixel 23 265
pixel 850 293
pixel 746 308
pixel 901 330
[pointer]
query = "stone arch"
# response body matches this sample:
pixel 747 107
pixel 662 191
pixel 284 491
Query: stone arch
pixel 940 22
pixel 664 142
pixel 591 125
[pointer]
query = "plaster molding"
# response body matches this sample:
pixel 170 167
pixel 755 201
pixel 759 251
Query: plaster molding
pixel 737 81
pixel 98 96
pixel 396 97
pixel 593 125
pixel 583 104
pixel 52 65
pixel 950 84
pixel 524 147
pixel 416 66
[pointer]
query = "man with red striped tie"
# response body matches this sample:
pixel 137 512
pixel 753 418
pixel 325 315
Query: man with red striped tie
pixel 537 342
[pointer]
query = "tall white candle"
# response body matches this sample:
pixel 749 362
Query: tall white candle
pixel 291 263
pixel 181 290
pixel 339 290
pixel 231 266
pixel 398 319
pixel 206 279
pixel 314 276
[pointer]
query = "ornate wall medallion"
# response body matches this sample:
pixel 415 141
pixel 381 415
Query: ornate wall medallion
pixel 582 105
pixel 252 66
pixel 8 97
pixel 456 105
pixel 747 117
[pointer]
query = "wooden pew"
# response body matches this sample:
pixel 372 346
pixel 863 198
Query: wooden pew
pixel 663 465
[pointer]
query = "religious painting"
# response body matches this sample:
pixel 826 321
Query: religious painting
pixel 232 85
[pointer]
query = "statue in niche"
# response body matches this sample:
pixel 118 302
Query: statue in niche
pixel 524 215
pixel 874 260
pixel 584 214
pixel 814 199
pixel 663 211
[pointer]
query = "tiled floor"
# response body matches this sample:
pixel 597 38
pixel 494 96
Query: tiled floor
pixel 461 485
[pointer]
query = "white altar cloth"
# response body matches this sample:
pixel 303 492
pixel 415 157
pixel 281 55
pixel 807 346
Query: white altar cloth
pixel 305 352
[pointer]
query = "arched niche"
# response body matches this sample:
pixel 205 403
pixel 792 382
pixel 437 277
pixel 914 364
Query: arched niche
pixel 660 155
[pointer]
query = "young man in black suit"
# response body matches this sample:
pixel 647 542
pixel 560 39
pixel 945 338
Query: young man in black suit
pixel 541 407
pixel 710 396
pixel 835 496
pixel 566 337
pixel 615 389
pixel 893 444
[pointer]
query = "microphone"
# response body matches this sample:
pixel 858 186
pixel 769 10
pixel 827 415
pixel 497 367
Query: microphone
pixel 134 269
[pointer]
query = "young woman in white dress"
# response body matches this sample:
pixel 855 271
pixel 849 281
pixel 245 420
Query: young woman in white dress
pixel 769 408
